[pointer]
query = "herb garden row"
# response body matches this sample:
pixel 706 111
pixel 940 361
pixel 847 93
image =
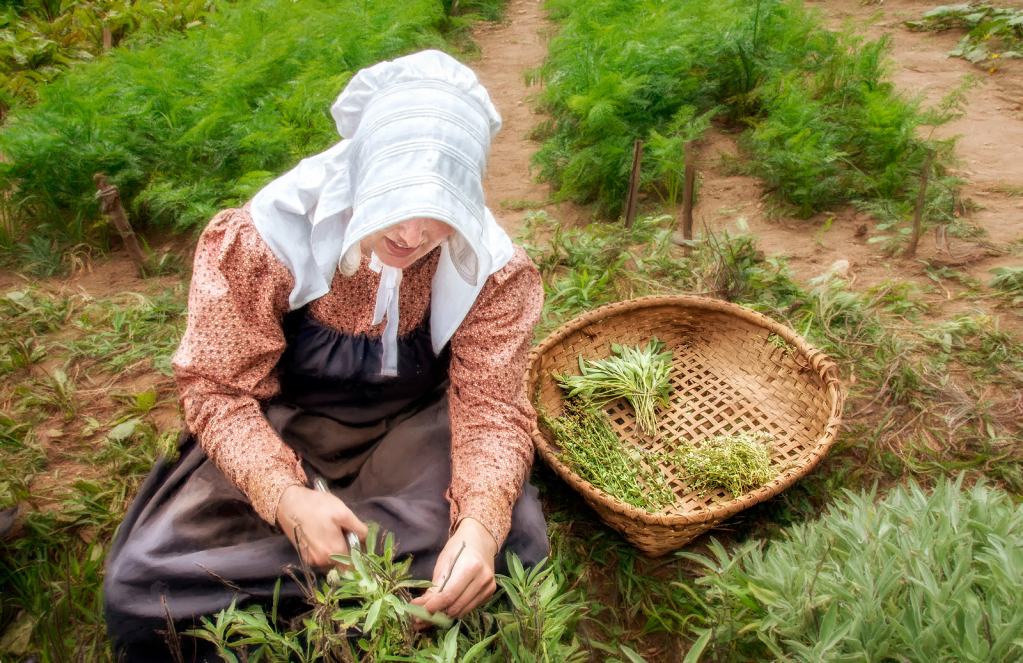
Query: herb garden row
pixel 906 542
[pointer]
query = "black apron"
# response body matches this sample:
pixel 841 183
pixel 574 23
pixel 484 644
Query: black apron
pixel 193 540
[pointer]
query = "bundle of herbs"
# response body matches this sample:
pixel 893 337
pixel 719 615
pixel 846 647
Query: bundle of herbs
pixel 642 377
pixel 595 453
pixel 738 463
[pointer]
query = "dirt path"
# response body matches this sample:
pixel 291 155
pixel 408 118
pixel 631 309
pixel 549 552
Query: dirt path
pixel 510 49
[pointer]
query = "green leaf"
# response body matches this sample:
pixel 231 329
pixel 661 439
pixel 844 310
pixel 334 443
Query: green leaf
pixel 124 430
pixel 371 616
pixel 694 653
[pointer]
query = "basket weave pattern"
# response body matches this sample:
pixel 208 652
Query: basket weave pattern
pixel 734 370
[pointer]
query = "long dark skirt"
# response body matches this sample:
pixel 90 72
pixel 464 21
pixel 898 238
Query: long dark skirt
pixel 191 543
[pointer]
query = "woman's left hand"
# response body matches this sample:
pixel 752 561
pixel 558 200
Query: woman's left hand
pixel 472 579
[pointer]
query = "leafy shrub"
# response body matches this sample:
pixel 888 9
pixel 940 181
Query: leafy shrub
pixel 915 577
pixel 826 124
pixel 192 124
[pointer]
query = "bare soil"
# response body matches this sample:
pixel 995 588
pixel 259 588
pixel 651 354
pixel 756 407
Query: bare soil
pixel 510 49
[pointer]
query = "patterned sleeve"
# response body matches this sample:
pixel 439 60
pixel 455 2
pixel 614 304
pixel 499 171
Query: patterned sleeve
pixel 491 417
pixel 224 365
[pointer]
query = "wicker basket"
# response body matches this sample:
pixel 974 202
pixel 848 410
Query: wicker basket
pixel 735 370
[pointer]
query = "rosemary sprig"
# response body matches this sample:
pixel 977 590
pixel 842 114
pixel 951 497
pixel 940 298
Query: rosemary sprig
pixel 592 449
pixel 643 377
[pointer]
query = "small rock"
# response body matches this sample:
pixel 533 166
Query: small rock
pixel 841 268
pixel 7 518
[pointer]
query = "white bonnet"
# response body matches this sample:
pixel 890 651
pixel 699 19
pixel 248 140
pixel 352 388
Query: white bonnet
pixel 424 66
pixel 417 135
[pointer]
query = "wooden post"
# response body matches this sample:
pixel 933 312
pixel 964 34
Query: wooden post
pixel 686 233
pixel 108 39
pixel 637 160
pixel 110 204
pixel 919 213
pixel 454 8
pixel 687 194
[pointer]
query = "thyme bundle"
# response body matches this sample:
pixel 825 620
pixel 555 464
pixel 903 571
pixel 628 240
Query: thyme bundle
pixel 642 377
pixel 595 453
pixel 738 463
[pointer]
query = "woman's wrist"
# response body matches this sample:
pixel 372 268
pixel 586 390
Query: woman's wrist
pixel 477 533
pixel 284 503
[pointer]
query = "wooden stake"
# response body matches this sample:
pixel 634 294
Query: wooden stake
pixel 108 39
pixel 686 233
pixel 919 213
pixel 110 204
pixel 637 161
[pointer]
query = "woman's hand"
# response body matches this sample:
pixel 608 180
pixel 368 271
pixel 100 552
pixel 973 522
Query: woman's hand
pixel 315 522
pixel 472 579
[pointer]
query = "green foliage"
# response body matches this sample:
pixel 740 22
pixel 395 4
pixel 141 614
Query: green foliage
pixel 364 613
pixel 129 330
pixel 826 124
pixel 70 456
pixel 914 577
pixel 993 32
pixel 592 448
pixel 191 124
pixel 738 463
pixel 40 39
pixel 642 377
pixel 1008 280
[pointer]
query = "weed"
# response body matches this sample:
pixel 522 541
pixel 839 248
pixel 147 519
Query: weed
pixel 56 392
pixel 364 613
pixel 1008 280
pixel 595 452
pixel 993 32
pixel 19 353
pixel 1007 189
pixel 50 575
pixel 521 205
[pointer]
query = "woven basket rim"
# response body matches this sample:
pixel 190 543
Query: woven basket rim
pixel 817 361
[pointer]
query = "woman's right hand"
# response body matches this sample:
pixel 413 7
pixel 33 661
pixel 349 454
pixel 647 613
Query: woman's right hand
pixel 315 522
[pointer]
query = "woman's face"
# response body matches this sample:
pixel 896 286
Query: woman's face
pixel 404 243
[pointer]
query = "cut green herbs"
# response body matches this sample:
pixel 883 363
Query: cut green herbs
pixel 594 451
pixel 642 377
pixel 738 463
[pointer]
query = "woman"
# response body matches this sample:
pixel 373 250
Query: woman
pixel 365 320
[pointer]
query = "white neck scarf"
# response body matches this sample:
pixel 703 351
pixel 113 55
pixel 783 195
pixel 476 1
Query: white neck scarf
pixel 387 307
pixel 419 130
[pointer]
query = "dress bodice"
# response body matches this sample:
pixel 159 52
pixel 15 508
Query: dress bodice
pixel 329 373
